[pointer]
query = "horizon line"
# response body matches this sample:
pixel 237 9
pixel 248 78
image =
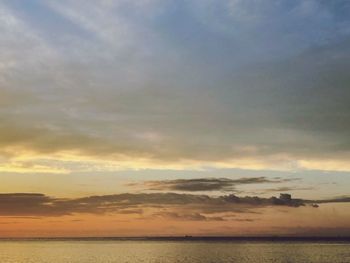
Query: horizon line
pixel 183 238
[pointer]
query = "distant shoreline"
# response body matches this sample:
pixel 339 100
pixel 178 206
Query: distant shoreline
pixel 187 238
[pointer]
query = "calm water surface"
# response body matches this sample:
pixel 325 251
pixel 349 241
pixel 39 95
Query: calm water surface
pixel 170 251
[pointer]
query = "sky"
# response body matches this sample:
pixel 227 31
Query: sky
pixel 174 117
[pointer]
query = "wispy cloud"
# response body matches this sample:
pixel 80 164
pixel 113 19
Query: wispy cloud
pixel 177 85
pixel 206 184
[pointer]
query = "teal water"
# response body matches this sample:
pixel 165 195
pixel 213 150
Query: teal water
pixel 171 252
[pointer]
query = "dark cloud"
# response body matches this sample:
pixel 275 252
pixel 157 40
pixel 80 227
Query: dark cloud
pixel 148 205
pixel 283 200
pixel 206 184
pixel 26 204
pixel 287 189
pixel 244 220
pixel 344 199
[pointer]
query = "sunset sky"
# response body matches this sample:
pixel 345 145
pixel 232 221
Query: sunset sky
pixel 167 117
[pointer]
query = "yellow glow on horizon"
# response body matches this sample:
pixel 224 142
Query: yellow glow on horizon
pixel 64 162
pixel 326 165
pixel 18 167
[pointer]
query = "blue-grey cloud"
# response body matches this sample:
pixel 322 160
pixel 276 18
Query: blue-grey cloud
pixel 235 83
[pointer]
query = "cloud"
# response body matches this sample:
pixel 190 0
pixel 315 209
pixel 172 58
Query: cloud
pixel 185 217
pixel 286 189
pixel 177 85
pixel 344 199
pixel 170 204
pixel 149 206
pixel 27 204
pixel 205 184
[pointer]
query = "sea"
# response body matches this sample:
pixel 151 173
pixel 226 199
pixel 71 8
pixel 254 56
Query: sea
pixel 173 250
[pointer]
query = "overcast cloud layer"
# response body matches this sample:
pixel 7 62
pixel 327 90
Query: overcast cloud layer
pixel 176 84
